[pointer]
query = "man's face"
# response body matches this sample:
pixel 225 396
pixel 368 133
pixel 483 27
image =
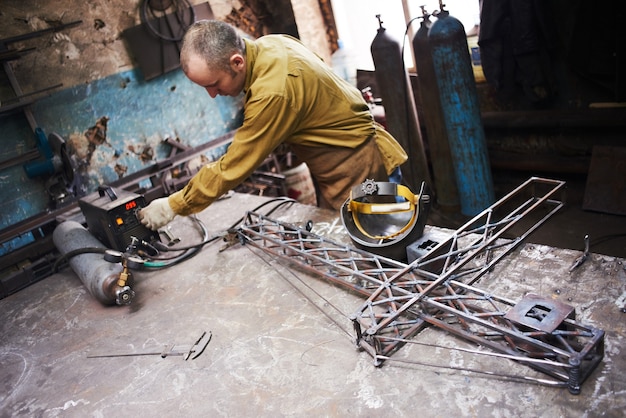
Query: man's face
pixel 218 82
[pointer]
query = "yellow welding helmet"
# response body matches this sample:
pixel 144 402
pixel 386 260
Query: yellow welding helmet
pixel 384 218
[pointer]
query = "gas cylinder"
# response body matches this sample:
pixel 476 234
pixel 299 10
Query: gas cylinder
pixel 398 101
pixel 461 113
pixel 438 146
pixel 100 277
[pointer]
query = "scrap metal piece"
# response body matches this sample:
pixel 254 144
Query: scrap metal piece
pixel 198 348
pixel 172 240
pixel 539 313
pixel 194 351
pixel 580 260
pixel 438 288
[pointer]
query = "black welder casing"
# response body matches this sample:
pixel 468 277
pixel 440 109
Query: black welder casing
pixel 378 222
pixel 111 217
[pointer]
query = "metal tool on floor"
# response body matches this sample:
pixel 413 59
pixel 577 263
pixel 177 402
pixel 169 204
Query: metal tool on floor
pixel 580 260
pixel 172 240
pixel 188 352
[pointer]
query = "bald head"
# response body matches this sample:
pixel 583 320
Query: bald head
pixel 213 41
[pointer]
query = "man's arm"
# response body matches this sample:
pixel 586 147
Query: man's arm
pixel 267 123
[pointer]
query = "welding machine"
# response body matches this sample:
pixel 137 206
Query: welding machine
pixel 111 217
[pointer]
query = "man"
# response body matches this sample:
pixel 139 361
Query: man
pixel 290 96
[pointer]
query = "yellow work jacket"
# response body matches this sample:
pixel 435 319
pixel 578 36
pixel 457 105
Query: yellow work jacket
pixel 292 96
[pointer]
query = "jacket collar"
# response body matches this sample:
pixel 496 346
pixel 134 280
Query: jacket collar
pixel 251 54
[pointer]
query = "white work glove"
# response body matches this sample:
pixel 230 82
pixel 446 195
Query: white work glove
pixel 157 214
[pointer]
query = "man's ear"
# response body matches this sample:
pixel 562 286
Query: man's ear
pixel 237 62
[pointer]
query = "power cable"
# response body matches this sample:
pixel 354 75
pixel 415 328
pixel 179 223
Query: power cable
pixel 73 253
pixel 281 201
pixel 154 263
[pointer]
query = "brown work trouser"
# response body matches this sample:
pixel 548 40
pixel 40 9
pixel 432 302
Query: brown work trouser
pixel 335 169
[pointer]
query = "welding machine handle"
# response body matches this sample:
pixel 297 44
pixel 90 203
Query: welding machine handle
pixel 108 190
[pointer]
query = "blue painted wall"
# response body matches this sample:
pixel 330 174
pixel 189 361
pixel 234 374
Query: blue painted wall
pixel 140 114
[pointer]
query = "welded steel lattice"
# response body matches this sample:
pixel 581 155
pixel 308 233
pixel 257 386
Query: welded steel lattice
pixel 438 288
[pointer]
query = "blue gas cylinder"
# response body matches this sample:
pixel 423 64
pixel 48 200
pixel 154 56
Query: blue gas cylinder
pixel 461 113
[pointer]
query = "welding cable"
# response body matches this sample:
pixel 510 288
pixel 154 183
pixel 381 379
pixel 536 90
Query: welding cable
pixel 160 263
pixel 604 238
pixel 147 248
pixel 209 239
pixel 78 251
pixel 155 263
pixel 281 201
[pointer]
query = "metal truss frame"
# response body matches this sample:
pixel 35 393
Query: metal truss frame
pixel 438 288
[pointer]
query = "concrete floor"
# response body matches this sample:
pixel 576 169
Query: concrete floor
pixel 273 353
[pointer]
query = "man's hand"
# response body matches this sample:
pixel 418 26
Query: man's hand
pixel 156 214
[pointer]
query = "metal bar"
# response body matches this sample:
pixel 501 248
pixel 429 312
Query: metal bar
pixel 588 118
pixel 25 36
pixel 9 70
pixel 18 101
pixel 18 92
pixel 22 158
pixel 13 54
pixel 194 351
